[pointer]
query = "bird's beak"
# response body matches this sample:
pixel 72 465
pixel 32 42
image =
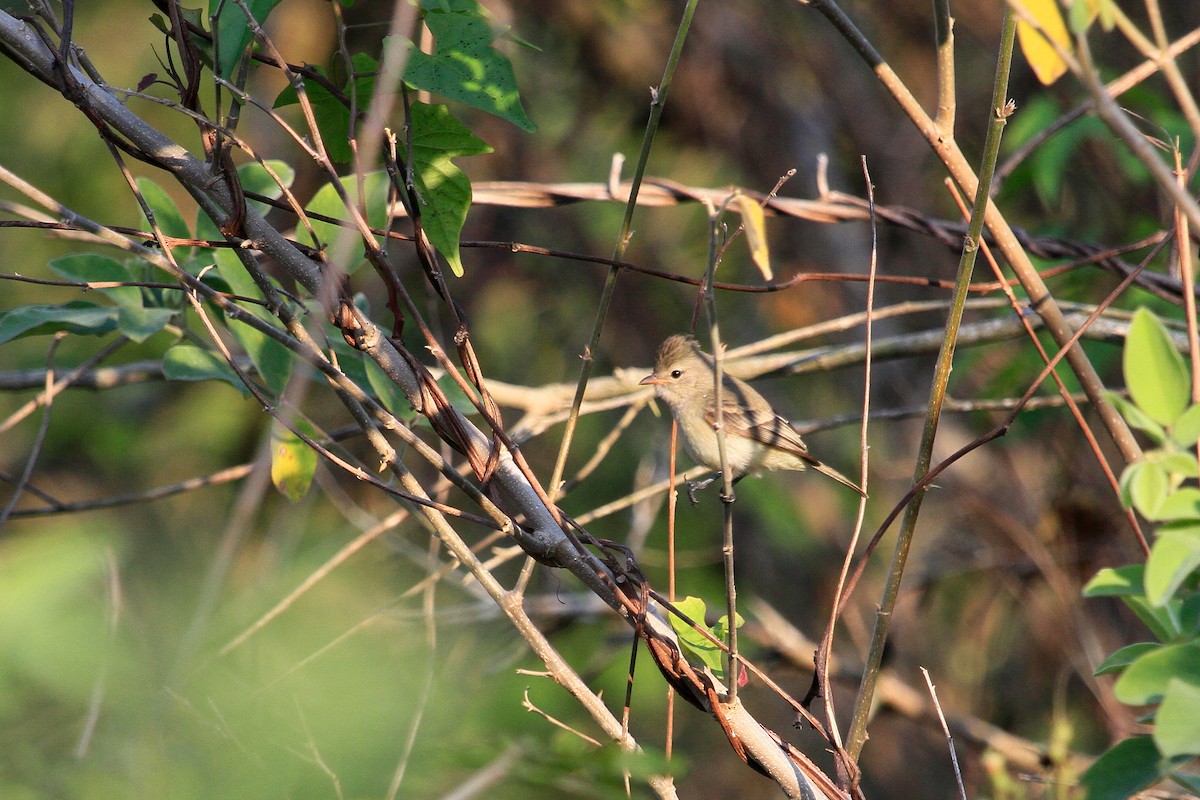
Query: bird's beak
pixel 651 380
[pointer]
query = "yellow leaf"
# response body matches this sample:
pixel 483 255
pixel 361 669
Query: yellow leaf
pixel 1047 65
pixel 756 233
pixel 292 461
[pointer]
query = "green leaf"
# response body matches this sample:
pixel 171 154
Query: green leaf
pixel 74 317
pixel 1179 505
pixel 1174 556
pixel 234 273
pixel 1124 484
pixel 293 462
pixel 1180 464
pixel 1177 723
pixel 1137 418
pixel 1189 615
pixel 352 362
pixel 192 17
pixel 272 360
pixel 1123 657
pixel 457 397
pixel 1048 166
pixel 469 6
pixel 255 178
pixel 1163 621
pixel 1124 769
pixel 233 29
pixel 1148 486
pixel 92 268
pixel 1116 582
pixel 332 114
pixel 694 608
pixel 721 629
pixel 1127 582
pixel 1145 680
pixel 186 362
pixel 464 66
pixel 166 213
pixel 1155 374
pixel 206 229
pixel 139 323
pixel 1186 430
pixel 385 389
pixel 444 191
pixel 326 201
pixel 133 318
pixel 1080 16
pixel 692 641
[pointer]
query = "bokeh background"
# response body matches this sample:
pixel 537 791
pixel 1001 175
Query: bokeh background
pixel 112 620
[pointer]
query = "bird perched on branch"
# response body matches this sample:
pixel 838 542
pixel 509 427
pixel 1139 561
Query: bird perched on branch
pixel 756 438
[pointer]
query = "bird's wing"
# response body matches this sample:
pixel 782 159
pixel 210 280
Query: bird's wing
pixel 775 431
pixel 765 426
pixel 761 425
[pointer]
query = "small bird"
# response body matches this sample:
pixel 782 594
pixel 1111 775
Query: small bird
pixel 756 438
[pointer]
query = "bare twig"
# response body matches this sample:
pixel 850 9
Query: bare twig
pixel 962 790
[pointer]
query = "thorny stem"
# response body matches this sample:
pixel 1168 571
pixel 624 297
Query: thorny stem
pixel 857 734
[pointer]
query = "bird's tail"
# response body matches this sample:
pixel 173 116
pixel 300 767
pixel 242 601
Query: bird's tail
pixel 825 469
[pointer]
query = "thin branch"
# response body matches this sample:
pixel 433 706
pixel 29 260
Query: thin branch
pixel 658 102
pixel 39 438
pixel 846 767
pixel 962 790
pixel 857 735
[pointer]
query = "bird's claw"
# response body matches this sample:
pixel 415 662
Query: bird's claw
pixel 697 486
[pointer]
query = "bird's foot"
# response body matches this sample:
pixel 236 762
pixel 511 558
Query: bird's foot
pixel 697 486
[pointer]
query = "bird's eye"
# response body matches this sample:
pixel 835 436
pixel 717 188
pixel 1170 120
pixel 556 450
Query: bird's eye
pixel 675 373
